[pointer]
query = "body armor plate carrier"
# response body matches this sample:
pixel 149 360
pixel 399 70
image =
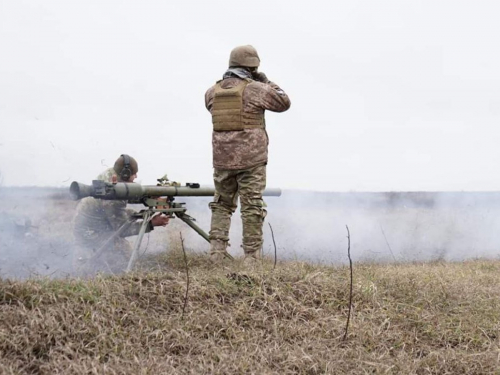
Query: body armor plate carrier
pixel 227 110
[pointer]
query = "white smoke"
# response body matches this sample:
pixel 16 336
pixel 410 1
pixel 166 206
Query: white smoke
pixel 36 240
pixel 385 227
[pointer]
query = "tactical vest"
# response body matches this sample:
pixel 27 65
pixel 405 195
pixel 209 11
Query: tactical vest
pixel 227 110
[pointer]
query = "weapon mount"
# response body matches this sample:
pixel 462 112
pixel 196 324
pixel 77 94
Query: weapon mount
pixel 150 196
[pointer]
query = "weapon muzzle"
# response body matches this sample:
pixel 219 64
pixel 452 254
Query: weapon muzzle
pixel 272 192
pixel 78 190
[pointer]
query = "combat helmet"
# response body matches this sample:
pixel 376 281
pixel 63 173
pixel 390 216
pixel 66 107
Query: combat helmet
pixel 126 166
pixel 246 56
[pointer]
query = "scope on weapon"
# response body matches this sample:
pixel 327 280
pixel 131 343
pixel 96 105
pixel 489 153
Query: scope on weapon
pixel 135 193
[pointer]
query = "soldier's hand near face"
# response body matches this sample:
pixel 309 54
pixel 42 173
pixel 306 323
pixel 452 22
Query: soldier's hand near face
pixel 159 220
pixel 261 77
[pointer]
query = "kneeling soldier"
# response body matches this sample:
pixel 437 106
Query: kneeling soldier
pixel 97 220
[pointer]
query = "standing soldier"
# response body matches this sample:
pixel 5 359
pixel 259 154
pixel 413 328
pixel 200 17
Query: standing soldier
pixel 239 140
pixel 97 220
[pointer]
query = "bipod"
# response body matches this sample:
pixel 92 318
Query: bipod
pixel 106 244
pixel 172 210
pixel 146 216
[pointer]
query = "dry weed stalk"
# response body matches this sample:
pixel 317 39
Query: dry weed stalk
pixel 387 242
pixel 187 277
pixel 350 290
pixel 275 251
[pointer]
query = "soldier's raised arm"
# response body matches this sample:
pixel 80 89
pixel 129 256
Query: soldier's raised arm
pixel 275 99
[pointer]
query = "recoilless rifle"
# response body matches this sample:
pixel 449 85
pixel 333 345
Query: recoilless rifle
pixel 158 199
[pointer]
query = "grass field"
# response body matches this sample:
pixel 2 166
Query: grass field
pixel 431 317
pixel 427 318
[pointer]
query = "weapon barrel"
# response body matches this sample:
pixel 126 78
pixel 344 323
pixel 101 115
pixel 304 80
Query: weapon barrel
pixel 134 192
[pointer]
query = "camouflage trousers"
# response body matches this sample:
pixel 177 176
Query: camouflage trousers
pixel 248 184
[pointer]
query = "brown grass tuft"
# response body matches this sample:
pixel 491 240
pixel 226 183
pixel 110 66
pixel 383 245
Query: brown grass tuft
pixel 437 318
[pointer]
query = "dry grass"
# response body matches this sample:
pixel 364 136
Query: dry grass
pixel 436 318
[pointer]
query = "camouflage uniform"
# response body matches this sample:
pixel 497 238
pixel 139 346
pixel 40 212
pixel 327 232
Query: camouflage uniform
pixel 239 161
pixel 94 223
pixel 107 175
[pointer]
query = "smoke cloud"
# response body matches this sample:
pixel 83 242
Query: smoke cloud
pixel 36 229
pixel 385 227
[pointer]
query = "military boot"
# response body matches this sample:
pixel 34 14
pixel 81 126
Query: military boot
pixel 218 252
pixel 252 257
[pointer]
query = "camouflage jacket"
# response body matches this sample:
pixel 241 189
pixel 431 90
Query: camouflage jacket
pixel 107 175
pixel 96 220
pixel 246 148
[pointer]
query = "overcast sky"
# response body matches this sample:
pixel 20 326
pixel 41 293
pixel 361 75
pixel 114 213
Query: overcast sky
pixel 386 95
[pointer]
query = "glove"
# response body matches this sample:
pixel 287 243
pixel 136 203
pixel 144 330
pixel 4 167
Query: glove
pixel 261 77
